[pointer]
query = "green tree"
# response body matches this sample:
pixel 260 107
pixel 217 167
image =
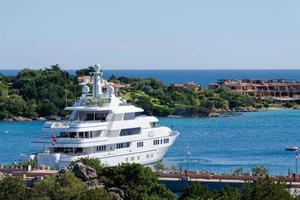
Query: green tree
pixel 266 189
pixel 238 171
pixel 3 89
pixel 94 194
pixel 159 166
pixel 260 171
pixel 62 187
pixel 12 188
pixel 196 192
pixel 137 181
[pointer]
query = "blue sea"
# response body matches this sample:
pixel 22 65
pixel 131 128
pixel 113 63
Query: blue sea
pixel 216 144
pixel 203 77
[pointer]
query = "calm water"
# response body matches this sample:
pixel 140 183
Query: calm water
pixel 217 145
pixel 204 77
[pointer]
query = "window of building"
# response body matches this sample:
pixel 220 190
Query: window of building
pixel 166 140
pixel 132 158
pixel 140 144
pixel 130 131
pixel 155 142
pixel 147 156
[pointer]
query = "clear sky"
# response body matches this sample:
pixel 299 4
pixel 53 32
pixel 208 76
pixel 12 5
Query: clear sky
pixel 155 34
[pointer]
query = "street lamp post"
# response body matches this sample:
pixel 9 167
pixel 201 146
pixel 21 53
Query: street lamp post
pixel 188 152
pixel 296 157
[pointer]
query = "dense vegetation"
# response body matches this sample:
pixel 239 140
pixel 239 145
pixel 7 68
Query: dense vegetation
pixel 45 92
pixel 34 93
pixel 160 99
pixel 137 182
pixel 264 189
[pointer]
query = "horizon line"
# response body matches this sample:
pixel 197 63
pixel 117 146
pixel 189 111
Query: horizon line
pixel 178 69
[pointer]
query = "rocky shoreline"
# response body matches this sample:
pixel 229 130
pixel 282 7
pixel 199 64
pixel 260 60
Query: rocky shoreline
pixel 213 114
pixel 26 119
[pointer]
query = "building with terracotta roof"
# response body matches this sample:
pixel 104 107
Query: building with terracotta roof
pixel 278 89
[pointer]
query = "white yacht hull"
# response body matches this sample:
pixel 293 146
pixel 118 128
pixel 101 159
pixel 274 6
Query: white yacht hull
pixel 144 157
pixel 103 126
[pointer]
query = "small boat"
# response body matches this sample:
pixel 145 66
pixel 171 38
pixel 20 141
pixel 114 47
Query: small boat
pixel 291 148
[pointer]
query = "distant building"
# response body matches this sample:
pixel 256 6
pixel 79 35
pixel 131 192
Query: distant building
pixel 190 85
pixel 278 89
pixel 86 80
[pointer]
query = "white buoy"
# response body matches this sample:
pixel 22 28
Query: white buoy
pixel 6 132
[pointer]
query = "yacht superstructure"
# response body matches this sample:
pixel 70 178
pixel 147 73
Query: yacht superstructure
pixel 103 126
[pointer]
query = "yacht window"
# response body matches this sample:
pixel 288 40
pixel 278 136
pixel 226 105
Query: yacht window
pixel 153 124
pixel 72 134
pixel 155 142
pixel 117 117
pixel 89 117
pixel 140 144
pixel 78 150
pixel 123 145
pixel 129 116
pixel 101 148
pixel 67 150
pixel 137 114
pixel 101 116
pixel 64 134
pixel 95 134
pixel 130 131
pixel 166 140
pixel 86 134
pixel 81 135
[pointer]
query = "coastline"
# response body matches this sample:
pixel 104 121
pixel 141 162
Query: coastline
pixel 214 114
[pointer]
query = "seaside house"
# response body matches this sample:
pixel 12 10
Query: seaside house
pixel 277 89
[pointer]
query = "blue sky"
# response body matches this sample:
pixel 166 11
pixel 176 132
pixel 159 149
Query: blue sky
pixel 153 34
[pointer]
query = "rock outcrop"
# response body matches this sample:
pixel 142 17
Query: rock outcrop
pixel 1 176
pixel 116 193
pixel 84 172
pixel 89 175
pixel 214 114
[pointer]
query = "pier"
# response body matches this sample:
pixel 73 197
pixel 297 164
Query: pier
pixel 177 181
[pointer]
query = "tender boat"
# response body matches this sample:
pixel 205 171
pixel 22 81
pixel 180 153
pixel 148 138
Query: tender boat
pixel 291 148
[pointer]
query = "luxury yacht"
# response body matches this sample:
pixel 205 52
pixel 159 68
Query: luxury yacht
pixel 103 126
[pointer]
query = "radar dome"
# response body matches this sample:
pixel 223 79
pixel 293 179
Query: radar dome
pixel 110 90
pixel 85 89
pixel 97 67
